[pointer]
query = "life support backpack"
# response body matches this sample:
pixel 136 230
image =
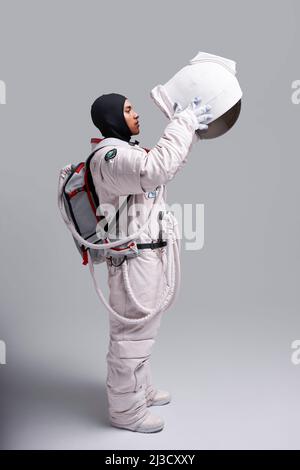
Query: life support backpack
pixel 78 201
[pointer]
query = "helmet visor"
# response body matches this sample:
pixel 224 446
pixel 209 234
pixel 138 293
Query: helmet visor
pixel 221 125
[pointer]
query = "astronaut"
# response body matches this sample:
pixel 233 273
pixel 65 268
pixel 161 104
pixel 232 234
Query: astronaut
pixel 118 172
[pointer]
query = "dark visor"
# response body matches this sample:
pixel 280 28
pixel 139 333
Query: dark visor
pixel 222 124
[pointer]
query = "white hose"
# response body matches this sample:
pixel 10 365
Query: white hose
pixel 165 302
pixel 162 301
pixel 171 246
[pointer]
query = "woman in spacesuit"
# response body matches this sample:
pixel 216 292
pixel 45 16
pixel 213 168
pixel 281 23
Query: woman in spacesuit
pixel 129 169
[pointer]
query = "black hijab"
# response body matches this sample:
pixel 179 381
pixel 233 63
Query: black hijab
pixel 108 116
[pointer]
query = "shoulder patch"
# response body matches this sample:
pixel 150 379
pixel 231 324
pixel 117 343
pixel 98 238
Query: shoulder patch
pixel 110 154
pixel 151 194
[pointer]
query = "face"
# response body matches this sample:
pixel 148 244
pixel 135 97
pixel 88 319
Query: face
pixel 131 118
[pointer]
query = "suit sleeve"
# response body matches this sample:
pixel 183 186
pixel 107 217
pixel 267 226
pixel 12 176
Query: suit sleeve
pixel 134 171
pixel 161 163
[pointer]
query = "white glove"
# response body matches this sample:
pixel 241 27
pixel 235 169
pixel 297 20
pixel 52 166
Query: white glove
pixel 199 111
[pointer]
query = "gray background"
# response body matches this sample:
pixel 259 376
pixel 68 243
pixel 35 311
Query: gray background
pixel 224 350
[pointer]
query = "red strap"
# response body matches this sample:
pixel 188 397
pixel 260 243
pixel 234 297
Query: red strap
pixel 95 140
pixel 80 167
pixel 120 249
pixel 76 191
pixel 126 248
pixel 85 257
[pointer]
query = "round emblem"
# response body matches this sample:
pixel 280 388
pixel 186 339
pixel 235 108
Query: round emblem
pixel 110 154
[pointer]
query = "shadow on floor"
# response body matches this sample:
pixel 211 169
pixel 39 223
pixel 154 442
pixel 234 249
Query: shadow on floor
pixel 51 402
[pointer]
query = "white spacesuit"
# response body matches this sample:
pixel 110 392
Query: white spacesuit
pixel 119 171
pixel 143 262
pixel 134 171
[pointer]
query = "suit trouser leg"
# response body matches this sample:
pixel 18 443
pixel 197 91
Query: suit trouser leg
pixel 149 388
pixel 129 380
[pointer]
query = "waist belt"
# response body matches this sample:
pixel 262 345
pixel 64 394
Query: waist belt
pixel 140 246
pixel 152 245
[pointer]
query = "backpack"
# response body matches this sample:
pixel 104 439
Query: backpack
pixel 78 203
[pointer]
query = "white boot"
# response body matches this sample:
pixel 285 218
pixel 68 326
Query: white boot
pixel 161 397
pixel 151 423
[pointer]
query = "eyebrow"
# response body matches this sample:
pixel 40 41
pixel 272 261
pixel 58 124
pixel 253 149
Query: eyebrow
pixel 128 106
